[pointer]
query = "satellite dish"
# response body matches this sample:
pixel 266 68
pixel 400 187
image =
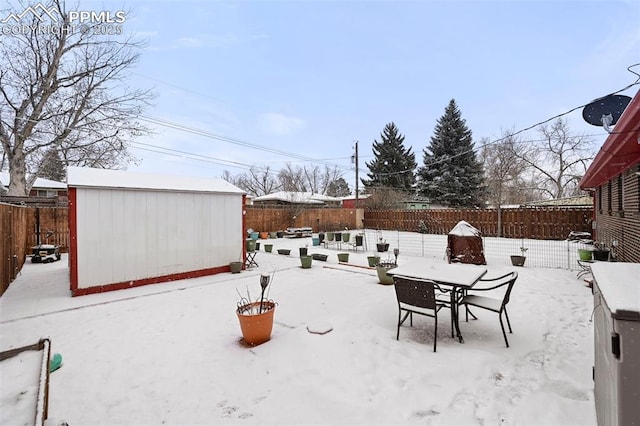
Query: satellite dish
pixel 605 111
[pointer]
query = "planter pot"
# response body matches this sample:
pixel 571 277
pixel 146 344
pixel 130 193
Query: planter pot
pixel 305 261
pixel 273 235
pixel 257 245
pixel 303 251
pixel 382 247
pixel 279 234
pixel 338 236
pixel 330 236
pixel 383 277
pixel 346 237
pixel 256 327
pixel 268 247
pixel 518 260
pixel 284 251
pixel 373 260
pixel 602 255
pixel 320 257
pixel 254 235
pixel 585 254
pixel 264 235
pixel 359 240
pixel 235 267
pixel 343 257
pixel 321 237
pixel 250 245
pixel 315 241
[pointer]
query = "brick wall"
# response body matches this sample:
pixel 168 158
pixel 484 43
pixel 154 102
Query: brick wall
pixel 618 214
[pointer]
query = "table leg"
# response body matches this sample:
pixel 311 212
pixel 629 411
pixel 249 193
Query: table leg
pixel 454 311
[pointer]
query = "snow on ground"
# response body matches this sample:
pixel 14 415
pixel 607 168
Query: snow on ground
pixel 170 354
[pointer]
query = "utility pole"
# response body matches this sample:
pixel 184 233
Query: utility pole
pixel 356 161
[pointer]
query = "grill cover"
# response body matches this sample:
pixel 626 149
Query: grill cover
pixel 464 245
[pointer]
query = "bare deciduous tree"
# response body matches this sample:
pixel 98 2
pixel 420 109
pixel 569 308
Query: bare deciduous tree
pixel 504 172
pixel 66 91
pixel 559 160
pixel 257 181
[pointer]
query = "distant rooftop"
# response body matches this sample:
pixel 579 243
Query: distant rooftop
pixel 40 183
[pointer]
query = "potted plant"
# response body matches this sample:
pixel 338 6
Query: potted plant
pixel 600 251
pixel 235 267
pixel 383 267
pixel 519 260
pixel 585 254
pixel 382 245
pixel 319 256
pixel 256 317
pixel 305 261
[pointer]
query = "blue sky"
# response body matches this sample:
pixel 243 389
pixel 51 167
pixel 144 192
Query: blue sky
pixel 310 78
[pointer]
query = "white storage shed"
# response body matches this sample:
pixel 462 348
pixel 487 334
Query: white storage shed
pixel 130 229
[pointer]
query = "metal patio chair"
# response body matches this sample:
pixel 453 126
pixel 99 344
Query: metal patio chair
pixel 417 297
pixel 498 306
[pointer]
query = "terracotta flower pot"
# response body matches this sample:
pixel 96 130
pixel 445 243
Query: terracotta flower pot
pixel 264 235
pixel 256 327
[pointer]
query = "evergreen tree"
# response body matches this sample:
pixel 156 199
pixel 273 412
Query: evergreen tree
pixel 451 175
pixel 338 188
pixel 52 166
pixel 393 165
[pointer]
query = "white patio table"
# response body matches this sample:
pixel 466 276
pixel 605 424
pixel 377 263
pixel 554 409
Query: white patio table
pixel 457 276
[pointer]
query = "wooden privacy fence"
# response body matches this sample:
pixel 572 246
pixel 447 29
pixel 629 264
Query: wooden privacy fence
pixel 271 219
pixel 19 232
pixel 13 243
pixel 543 223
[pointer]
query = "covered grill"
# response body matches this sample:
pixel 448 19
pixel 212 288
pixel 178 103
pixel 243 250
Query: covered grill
pixel 464 245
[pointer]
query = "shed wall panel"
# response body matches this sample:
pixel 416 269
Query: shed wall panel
pixel 129 235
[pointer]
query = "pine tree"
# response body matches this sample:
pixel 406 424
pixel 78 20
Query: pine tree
pixel 338 188
pixel 393 165
pixel 52 166
pixel 451 175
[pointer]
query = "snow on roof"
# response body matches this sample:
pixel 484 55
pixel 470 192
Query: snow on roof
pixel 40 183
pixel 102 178
pixel 463 229
pixel 297 197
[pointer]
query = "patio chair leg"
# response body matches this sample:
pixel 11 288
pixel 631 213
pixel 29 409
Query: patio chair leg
pixel 503 333
pixel 435 334
pixel 507 317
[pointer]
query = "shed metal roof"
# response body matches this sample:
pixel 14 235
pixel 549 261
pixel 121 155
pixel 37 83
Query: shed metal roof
pixel 84 177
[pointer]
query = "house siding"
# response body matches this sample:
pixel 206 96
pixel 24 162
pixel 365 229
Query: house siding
pixel 618 214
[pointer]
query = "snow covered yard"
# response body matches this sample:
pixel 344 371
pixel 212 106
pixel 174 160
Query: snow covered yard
pixel 169 353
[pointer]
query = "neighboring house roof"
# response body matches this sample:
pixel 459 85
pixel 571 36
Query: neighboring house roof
pixel 103 178
pixel 353 197
pixel 620 151
pixel 40 183
pixel 297 198
pixel 585 201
